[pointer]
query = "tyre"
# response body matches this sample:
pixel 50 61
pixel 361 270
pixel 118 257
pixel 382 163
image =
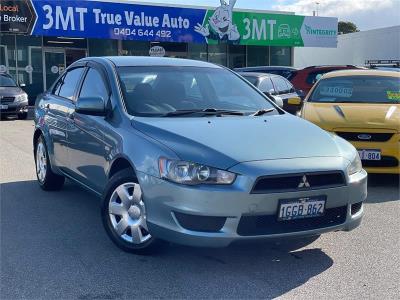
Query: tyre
pixel 123 214
pixel 22 116
pixel 48 180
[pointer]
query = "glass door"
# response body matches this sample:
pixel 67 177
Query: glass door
pixel 54 65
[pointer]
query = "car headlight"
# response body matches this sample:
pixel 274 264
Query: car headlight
pixel 184 172
pixel 22 98
pixel 355 166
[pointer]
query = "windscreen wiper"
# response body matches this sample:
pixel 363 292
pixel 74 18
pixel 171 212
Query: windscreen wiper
pixel 205 112
pixel 263 112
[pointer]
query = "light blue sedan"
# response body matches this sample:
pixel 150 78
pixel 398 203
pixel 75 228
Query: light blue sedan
pixel 189 152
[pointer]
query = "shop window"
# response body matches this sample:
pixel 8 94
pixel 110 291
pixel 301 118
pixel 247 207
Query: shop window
pixel 30 64
pixel 135 48
pixel 237 56
pixel 281 56
pixel 8 63
pixel 177 50
pixel 217 54
pixel 104 47
pixel 257 56
pixel 197 51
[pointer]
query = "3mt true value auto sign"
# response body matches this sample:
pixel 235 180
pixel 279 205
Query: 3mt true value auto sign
pixel 128 21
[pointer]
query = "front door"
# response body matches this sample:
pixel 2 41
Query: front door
pixel 86 147
pixel 53 65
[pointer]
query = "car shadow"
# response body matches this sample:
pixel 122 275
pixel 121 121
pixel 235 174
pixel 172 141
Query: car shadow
pixel 383 188
pixel 56 239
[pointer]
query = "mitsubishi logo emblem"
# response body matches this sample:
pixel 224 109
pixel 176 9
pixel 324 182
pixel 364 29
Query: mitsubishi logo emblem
pixel 304 182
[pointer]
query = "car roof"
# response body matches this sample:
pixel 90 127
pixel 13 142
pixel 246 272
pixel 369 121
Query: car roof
pixel 283 68
pixel 357 72
pixel 257 74
pixel 133 61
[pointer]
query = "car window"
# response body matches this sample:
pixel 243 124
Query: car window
pixel 156 91
pixel 358 89
pixel 314 76
pixel 94 86
pixel 253 80
pixel 66 86
pixel 290 86
pixel 266 85
pixel 280 85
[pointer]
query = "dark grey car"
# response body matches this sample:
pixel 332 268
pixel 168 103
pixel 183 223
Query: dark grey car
pixel 13 100
pixel 276 85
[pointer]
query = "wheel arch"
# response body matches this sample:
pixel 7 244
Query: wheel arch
pixel 38 132
pixel 120 163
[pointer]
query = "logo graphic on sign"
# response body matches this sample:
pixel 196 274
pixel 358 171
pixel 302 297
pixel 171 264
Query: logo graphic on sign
pixel 221 23
pixel 157 51
pixel 284 31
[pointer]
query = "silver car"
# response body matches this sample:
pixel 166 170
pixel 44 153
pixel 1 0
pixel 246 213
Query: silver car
pixel 13 100
pixel 189 152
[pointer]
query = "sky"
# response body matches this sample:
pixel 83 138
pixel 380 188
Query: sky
pixel 366 14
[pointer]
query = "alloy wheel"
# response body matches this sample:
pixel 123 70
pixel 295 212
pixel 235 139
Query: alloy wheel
pixel 41 162
pixel 127 213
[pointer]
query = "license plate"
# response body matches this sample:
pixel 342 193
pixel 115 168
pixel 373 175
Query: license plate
pixel 294 101
pixel 3 106
pixel 300 208
pixel 369 154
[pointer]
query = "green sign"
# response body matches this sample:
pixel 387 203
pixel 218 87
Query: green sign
pixel 266 29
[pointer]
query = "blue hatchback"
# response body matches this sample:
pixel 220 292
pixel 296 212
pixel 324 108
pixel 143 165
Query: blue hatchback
pixel 189 152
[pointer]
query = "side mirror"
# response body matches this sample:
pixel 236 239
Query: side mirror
pixel 90 106
pixel 278 101
pixel 272 92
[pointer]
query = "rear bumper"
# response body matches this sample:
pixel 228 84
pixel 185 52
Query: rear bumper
pixel 167 202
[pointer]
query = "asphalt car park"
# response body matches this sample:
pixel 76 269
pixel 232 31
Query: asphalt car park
pixel 54 246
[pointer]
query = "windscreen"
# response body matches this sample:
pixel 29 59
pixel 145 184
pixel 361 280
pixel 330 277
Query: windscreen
pixel 7 81
pixel 155 91
pixel 358 89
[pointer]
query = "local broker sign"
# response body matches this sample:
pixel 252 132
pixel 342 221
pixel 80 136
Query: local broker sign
pixel 16 16
pixel 129 21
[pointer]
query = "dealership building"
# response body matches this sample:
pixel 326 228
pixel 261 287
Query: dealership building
pixel 40 38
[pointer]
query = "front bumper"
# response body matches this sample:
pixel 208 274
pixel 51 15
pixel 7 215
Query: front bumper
pixel 14 108
pixel 167 202
pixel 390 153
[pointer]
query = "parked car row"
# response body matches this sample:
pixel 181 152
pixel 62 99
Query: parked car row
pixel 297 82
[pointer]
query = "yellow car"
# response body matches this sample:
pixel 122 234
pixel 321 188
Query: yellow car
pixel 363 107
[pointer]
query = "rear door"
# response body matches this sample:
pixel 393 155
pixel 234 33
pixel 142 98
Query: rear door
pixel 86 146
pixel 57 105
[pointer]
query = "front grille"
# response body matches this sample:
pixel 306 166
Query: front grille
pixel 269 224
pixel 385 162
pixel 200 223
pixel 365 137
pixel 6 99
pixel 293 182
pixel 355 208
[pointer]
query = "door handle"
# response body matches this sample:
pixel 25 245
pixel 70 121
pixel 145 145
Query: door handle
pixel 46 107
